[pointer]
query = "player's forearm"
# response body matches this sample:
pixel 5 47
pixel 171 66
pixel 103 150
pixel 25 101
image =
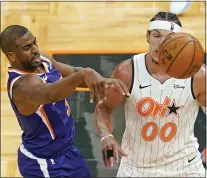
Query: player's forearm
pixel 64 87
pixel 103 121
pixel 67 70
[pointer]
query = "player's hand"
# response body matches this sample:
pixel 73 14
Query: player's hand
pixel 111 151
pixel 96 84
pixel 118 84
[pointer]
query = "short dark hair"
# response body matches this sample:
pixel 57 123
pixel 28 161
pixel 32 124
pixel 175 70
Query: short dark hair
pixel 9 36
pixel 167 16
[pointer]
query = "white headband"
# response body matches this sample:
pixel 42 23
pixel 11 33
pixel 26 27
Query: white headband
pixel 164 25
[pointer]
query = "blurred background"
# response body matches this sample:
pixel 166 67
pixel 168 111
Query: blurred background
pixel 89 34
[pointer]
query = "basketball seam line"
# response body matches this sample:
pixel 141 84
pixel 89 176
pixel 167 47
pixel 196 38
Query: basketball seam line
pixel 177 55
pixel 191 61
pixel 171 41
pixel 196 41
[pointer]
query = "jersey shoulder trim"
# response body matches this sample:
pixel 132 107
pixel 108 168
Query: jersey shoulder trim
pixel 132 82
pixel 192 92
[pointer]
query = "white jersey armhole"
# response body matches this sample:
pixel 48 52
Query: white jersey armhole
pixel 132 80
pixel 191 88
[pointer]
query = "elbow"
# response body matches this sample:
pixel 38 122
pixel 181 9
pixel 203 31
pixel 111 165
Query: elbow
pixel 51 96
pixel 51 99
pixel 98 109
pixel 102 112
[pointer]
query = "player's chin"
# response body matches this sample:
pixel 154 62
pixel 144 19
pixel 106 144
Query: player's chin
pixel 36 63
pixel 155 59
pixel 154 56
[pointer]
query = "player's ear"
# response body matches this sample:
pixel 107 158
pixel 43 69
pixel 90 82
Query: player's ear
pixel 147 35
pixel 10 56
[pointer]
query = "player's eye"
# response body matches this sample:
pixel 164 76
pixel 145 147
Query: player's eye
pixel 157 36
pixel 26 48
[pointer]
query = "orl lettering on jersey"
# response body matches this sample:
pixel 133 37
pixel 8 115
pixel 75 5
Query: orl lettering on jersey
pixel 154 109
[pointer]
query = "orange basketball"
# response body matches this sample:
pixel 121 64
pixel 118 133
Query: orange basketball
pixel 181 55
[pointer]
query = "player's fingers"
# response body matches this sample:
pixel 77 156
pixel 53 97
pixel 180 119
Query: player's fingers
pixel 115 152
pixel 104 153
pixel 106 161
pixel 120 151
pixel 102 90
pixel 118 87
pixel 124 88
pixel 91 94
pixel 110 155
pixel 105 158
pixel 96 91
pixel 106 86
pixel 111 162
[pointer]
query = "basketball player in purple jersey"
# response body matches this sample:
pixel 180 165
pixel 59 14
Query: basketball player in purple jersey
pixel 37 89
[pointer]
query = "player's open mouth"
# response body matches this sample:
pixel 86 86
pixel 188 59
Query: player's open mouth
pixel 36 57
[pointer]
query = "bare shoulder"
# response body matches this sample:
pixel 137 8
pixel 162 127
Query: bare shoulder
pixel 27 80
pixel 124 72
pixel 123 68
pixel 23 93
pixel 201 74
pixel 24 85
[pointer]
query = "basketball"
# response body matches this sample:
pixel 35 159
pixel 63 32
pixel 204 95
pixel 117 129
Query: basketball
pixel 181 55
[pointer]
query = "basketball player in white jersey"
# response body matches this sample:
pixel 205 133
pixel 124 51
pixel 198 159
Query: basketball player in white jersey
pixel 159 114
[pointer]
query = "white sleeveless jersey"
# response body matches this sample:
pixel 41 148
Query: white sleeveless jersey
pixel 159 119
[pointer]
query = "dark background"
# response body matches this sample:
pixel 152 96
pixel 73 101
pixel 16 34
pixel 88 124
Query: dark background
pixel 86 138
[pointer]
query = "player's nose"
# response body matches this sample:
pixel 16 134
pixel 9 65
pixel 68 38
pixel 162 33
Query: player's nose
pixel 161 40
pixel 35 49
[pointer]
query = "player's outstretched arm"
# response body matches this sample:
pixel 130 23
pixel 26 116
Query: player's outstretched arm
pixel 103 115
pixel 30 91
pixel 64 69
pixel 199 87
pixel 67 70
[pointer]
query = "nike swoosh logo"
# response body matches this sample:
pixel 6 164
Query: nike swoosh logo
pixel 140 86
pixel 189 160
